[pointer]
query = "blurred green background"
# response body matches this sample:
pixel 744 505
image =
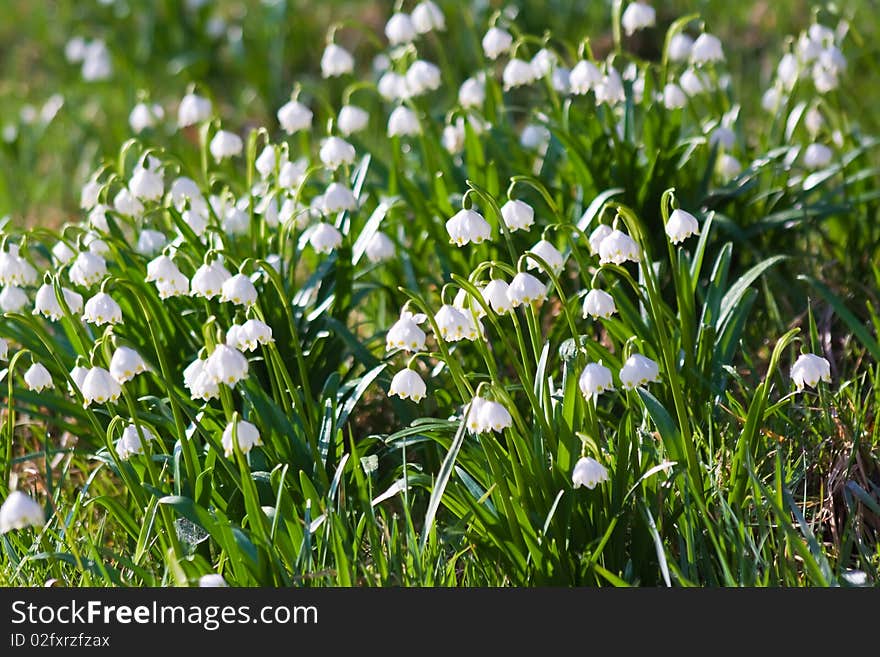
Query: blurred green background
pixel 248 54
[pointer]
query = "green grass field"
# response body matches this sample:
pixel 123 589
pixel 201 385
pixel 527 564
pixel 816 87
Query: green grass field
pixel 576 303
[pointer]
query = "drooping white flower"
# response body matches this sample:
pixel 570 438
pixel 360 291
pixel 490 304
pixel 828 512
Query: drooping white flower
pixel 102 309
pixel 225 144
pixel 147 184
pixel 124 202
pixel 150 242
pixel 63 253
pixel 265 162
pixel 472 414
pixel 618 247
pixel 126 364
pixel 352 119
pixel 496 295
pixel 453 136
pixel 250 335
pixel 96 64
pixel 599 304
pixel 535 137
pixel 405 333
pixel 493 416
pixel 549 254
pixel 46 303
pixel 496 42
pixel 199 382
pixel 403 122
pixel 75 50
pixel 235 220
pixel 610 90
pixel 338 198
pixel 130 443
pixel 238 289
pixel 518 73
pixel 707 48
pixel 392 86
pixel 517 215
pixel 212 580
pixel 561 80
pixel 673 97
pixel 723 136
pixel 454 324
pixel 100 387
pixel 728 166
pixel 422 77
pixel 88 269
pixel 543 63
pixel 193 109
pixel 336 61
pixel 680 46
pixel 88 196
pixel 427 16
pixel 637 16
pixel 637 371
pixel 596 237
pixel 594 380
pixel 335 152
pixel 588 472
pixel 584 77
pixel 208 280
pixel 185 190
pixel 226 365
pixel 694 82
pixel 20 511
pixel 291 174
pixel 247 434
pixel 294 116
pixel 95 244
pixel 379 248
pixel 813 120
pixel 681 225
pixel 526 289
pixel 37 378
pixel 817 156
pixel 145 116
pixel 400 29
pixel 13 299
pixel 325 237
pixel 467 226
pixel 472 93
pixel 809 369
pixel 407 384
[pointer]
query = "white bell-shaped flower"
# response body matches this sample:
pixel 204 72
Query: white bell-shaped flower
pixel 453 136
pixel 335 152
pixel 193 109
pixel 599 304
pixel 247 435
pixel 19 511
pixel 407 384
pixel 637 16
pixel 226 365
pixel 338 198
pixel 379 248
pixel 526 289
pixel 150 242
pixel 129 444
pixel 147 184
pixel 212 580
pixel 518 73
pixel 265 162
pixel 144 116
pixel 496 42
pixel 596 237
pixel 239 290
pixel 544 62
pixel 427 16
pixel 249 335
pixel 817 156
pixel 637 371
pixel 594 380
pixel 400 29
pixel 549 254
pixel 208 280
pixel 225 144
pixel 588 472
pixel 584 77
pixel 63 253
pixel 610 91
pixel 185 190
pixel 78 376
pixel 88 196
pixel 472 93
pixel 88 269
pixel 694 82
pixel 681 225
pixel 454 324
pixel 292 174
pixel 100 387
pixel 102 309
pixel 617 248
pixel 680 46
pixel 46 303
pixel 199 382
pixel 325 237
pixel 352 119
pixel 472 414
pixel 422 77
pixel 467 226
pixel 809 369
pixel 403 122
pixel 728 166
pixel 126 364
pixel 673 97
pixel 336 61
pixel 37 378
pixel 493 416
pixel 517 215
pixel 707 48
pixel 405 333
pixel 392 86
pixel 13 299
pixel 496 295
pixel 294 116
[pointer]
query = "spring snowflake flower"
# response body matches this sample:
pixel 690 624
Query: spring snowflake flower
pixel 535 137
pixel 146 184
pixel 88 195
pixel 518 73
pixel 239 290
pixel 526 289
pixel 250 335
pixel 584 77
pixel 496 295
pixel 4 349
pixel 325 238
pixel 681 225
pixel 493 417
pixel 637 16
pixel 294 116
pixel 266 160
pixel 336 61
pixel 405 333
pixel 496 42
pixel 400 29
pixel 427 16
pixel 193 109
pixel 617 248
pixel 637 371
pixel 125 203
pixel 46 303
pixel 407 384
pixel 403 122
pixel 680 47
pixel 707 48
pixel 352 119
pixel 185 190
pixel 673 97
pixel 453 136
pixel 813 120
pixel 455 324
pixel 247 434
pixel 144 116
pixel 472 93
pixel 150 242
pixel 338 198
pixel 549 254
pixel 212 580
pixel 392 86
pixel 422 77
pixel 37 378
pixel 208 280
pixel 594 380
pixel 20 511
pixel 199 382
pixel 13 299
pixel 226 365
pixel 588 472
pixel 467 226
pixel 100 386
pixel 102 309
pixel 14 269
pixel 610 90
pixel 728 166
pixel 817 156
pixel 335 152
pixel 599 304
pixel 129 444
pixel 694 83
pixel 517 215
pixel 597 236
pixel 96 63
pixel 379 248
pixel 543 63
pixel 126 364
pixel 809 369
pixel 225 144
